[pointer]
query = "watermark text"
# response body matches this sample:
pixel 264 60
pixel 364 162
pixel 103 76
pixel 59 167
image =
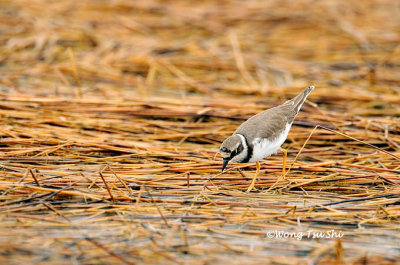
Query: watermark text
pixel 309 234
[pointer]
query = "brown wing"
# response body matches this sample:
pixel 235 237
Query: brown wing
pixel 267 124
pixel 270 123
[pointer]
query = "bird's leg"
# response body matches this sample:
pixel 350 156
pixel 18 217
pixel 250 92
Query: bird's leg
pixel 284 162
pixel 251 187
pixel 283 170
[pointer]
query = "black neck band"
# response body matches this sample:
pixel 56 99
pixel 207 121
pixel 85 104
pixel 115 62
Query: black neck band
pixel 249 151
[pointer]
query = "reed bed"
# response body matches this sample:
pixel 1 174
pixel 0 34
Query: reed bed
pixel 112 113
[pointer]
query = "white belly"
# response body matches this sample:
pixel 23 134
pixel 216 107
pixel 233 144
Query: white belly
pixel 263 147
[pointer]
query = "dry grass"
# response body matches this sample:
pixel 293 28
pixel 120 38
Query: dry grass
pixel 112 112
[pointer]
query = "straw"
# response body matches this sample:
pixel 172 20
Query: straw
pixel 112 113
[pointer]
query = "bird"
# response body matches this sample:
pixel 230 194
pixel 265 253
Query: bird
pixel 262 135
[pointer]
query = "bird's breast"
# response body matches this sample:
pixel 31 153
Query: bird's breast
pixel 263 147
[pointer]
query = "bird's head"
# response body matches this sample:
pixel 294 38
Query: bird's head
pixel 233 149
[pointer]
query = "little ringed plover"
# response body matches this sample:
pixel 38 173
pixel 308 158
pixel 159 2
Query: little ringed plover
pixel 262 135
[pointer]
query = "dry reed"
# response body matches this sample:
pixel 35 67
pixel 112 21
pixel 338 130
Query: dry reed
pixel 112 113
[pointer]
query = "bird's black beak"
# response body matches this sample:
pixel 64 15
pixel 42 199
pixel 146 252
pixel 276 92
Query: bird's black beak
pixel 226 161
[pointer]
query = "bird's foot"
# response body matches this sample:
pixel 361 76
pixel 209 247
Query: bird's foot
pixel 251 187
pixel 253 182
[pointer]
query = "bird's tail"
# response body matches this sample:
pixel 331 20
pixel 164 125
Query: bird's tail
pixel 298 101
